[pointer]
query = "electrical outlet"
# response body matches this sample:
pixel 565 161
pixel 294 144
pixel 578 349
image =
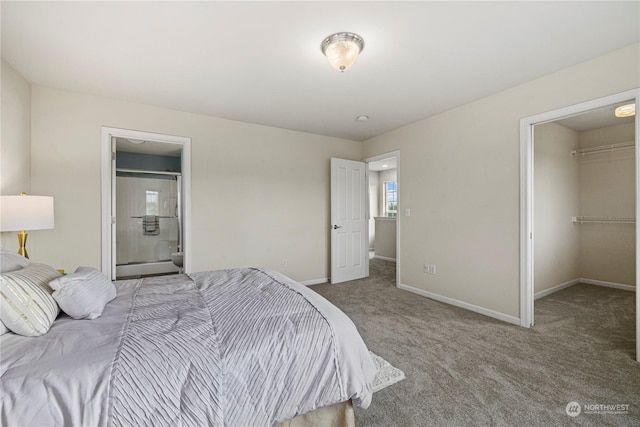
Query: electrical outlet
pixel 429 269
pixel 284 262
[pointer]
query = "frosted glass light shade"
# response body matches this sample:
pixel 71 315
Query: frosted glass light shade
pixel 626 110
pixel 26 213
pixel 342 49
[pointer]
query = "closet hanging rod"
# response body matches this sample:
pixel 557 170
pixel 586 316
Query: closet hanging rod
pixel 603 149
pixel 605 219
pixel 161 217
pixel 148 172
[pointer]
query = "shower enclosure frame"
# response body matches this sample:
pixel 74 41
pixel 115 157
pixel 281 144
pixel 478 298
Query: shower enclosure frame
pixel 108 192
pixel 155 266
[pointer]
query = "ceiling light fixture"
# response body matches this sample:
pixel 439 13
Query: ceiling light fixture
pixel 342 49
pixel 626 110
pixel 362 118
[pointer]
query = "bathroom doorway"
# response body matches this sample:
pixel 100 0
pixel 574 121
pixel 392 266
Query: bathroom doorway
pixel 145 204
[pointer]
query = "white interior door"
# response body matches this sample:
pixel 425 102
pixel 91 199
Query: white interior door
pixel 349 226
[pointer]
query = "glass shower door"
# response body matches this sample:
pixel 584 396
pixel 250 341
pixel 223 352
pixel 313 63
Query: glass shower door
pixel 146 223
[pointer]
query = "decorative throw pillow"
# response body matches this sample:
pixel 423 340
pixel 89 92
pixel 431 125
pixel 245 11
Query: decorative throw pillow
pixel 11 261
pixel 26 305
pixel 83 294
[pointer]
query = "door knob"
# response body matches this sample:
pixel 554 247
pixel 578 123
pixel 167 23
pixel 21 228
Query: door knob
pixel 335 227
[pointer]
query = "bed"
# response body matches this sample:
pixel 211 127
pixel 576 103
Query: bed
pixel 241 347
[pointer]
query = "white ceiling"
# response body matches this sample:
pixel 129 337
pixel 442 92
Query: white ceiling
pixel 131 145
pixel 595 119
pixel 260 62
pixel 384 164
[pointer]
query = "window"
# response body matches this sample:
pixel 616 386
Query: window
pixel 390 206
pixel 153 203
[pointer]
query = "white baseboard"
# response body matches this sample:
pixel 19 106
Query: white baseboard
pixel 565 285
pixel 452 301
pixel 315 281
pixel 554 289
pixel 607 284
pixel 384 258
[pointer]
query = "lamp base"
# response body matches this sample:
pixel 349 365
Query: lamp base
pixel 22 242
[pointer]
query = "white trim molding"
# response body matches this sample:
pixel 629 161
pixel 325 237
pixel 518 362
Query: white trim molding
pixel 462 304
pixel 315 281
pixel 384 258
pixel 552 290
pixel 608 284
pixel 561 286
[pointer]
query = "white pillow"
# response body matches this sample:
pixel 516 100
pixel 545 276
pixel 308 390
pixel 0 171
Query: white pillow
pixel 26 305
pixel 3 328
pixel 11 261
pixel 83 294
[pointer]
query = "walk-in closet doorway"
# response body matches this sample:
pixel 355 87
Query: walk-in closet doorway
pixel 579 201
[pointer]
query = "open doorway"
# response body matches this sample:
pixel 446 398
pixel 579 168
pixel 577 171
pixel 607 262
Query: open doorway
pixel 584 216
pixel 148 208
pixel 584 202
pixel 384 210
pixel 578 245
pixel 146 212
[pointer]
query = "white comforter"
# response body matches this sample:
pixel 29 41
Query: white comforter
pixel 233 347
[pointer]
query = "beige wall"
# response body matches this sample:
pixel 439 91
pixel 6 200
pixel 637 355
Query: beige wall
pixel 607 188
pixel 259 194
pixel 386 238
pixel 15 163
pixel 556 200
pixel 460 176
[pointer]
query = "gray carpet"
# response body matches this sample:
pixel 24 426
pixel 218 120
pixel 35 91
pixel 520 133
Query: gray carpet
pixel 465 369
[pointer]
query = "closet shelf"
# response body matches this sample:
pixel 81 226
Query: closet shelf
pixel 605 219
pixel 603 149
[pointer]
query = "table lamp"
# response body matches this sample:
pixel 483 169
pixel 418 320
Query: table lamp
pixel 20 213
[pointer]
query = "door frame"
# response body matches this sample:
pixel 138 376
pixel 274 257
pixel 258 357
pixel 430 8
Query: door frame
pixel 396 154
pixel 108 248
pixel 527 236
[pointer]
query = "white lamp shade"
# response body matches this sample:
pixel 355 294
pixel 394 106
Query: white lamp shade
pixel 26 213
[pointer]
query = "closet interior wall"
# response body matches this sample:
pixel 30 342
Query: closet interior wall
pixel 595 185
pixel 607 189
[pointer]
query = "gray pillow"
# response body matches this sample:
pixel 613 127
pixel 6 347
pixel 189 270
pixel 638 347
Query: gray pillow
pixel 11 261
pixel 26 305
pixel 83 294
